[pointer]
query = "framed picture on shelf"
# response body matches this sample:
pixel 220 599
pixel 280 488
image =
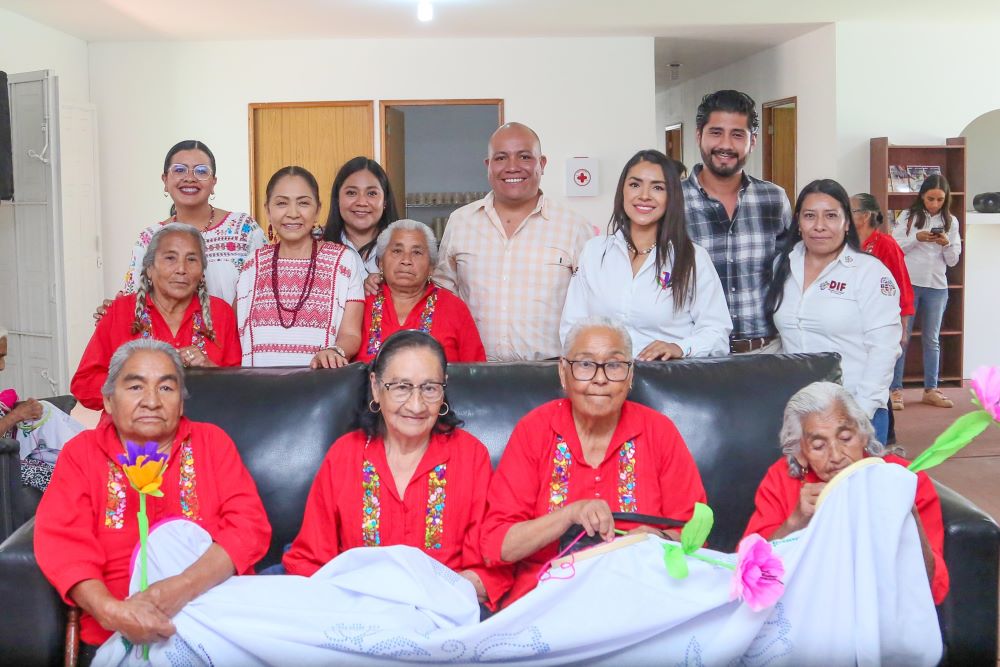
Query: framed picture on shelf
pixel 899 178
pixel 919 173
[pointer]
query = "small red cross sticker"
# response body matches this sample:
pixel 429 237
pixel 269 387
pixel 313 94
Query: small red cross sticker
pixel 582 177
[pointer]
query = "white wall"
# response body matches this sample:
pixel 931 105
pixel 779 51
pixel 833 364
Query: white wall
pixel 153 94
pixel 26 46
pixel 983 139
pixel 804 67
pixel 883 93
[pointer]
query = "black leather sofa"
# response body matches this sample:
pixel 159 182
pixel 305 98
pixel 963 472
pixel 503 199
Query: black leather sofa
pixel 728 410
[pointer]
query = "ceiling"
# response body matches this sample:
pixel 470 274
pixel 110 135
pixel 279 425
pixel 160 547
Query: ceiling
pixel 702 35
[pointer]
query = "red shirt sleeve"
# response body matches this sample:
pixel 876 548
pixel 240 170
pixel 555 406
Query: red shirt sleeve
pixel 888 250
pixel 771 503
pixel 66 545
pixel 470 343
pixel 93 369
pixel 929 508
pixel 318 542
pixel 680 482
pixel 242 528
pixel 226 336
pixel 366 323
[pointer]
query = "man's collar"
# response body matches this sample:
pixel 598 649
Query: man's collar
pixel 745 178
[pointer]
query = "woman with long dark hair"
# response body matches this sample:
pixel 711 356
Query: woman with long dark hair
pixel 299 302
pixel 929 236
pixel 362 205
pixel 828 295
pixel 648 273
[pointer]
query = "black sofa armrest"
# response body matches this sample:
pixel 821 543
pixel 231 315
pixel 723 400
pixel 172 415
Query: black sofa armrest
pixel 65 403
pixel 33 629
pixel 969 614
pixel 10 480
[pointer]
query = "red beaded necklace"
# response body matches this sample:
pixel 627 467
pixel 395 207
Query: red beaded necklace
pixel 307 286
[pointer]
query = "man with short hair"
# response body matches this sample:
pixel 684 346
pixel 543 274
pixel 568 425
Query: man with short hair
pixel 510 255
pixel 740 220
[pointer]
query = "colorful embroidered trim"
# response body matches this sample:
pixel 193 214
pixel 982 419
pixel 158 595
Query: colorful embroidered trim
pixel 370 508
pixel 197 324
pixel 436 483
pixel 375 328
pixel 626 478
pixel 114 507
pixel 190 507
pixel 559 487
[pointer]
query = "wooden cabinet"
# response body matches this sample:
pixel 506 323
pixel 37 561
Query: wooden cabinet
pixel 950 157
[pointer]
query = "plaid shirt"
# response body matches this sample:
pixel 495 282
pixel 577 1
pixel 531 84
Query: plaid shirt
pixel 743 249
pixel 515 287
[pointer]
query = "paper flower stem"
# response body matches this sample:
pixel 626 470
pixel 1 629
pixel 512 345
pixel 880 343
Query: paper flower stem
pixel 143 536
pixel 712 561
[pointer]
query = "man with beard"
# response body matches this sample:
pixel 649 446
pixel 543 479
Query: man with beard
pixel 739 219
pixel 510 255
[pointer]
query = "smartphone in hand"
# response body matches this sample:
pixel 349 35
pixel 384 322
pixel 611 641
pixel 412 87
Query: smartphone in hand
pixel 937 230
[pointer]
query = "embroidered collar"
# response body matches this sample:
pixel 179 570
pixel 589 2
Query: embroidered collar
pixel 629 427
pixel 383 302
pixel 192 312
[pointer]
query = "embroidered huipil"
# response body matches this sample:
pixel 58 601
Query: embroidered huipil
pixel 229 244
pixel 354 503
pixel 86 526
pixel 337 281
pixel 778 496
pixel 115 329
pixel 647 469
pixel 449 319
pixel 604 285
pixel 851 308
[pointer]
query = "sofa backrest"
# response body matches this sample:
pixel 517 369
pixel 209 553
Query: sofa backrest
pixel 728 410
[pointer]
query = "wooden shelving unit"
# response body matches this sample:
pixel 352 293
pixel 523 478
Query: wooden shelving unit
pixel 950 157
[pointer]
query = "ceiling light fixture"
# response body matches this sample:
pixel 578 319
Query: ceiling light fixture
pixel 425 11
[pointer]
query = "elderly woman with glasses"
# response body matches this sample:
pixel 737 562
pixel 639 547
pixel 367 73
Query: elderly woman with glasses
pixel 823 432
pixel 576 460
pixel 172 305
pixel 409 476
pixel 407 299
pixel 86 528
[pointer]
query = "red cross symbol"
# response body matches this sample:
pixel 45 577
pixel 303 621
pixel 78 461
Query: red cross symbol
pixel 582 177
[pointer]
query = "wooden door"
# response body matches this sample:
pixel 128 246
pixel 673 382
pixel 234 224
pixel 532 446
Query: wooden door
pixel 320 136
pixel 395 154
pixel 779 145
pixel 675 143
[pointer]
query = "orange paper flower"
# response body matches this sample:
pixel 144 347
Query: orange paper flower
pixel 144 467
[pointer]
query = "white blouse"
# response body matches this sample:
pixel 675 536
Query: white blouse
pixel 370 264
pixel 852 308
pixel 927 261
pixel 604 285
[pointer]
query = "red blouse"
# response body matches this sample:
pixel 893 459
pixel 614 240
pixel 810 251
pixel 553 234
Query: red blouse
pixel 451 324
pixel 778 496
pixel 86 526
pixel 115 328
pixel 354 503
pixel 885 248
pixel 647 469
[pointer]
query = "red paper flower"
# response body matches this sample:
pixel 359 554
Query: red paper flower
pixel 757 579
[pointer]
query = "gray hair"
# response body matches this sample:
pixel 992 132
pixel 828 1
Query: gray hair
pixel 597 322
pixel 173 228
pixel 125 352
pixel 407 225
pixel 820 397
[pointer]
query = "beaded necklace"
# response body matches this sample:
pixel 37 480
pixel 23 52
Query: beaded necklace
pixel 307 286
pixel 375 329
pixel 197 325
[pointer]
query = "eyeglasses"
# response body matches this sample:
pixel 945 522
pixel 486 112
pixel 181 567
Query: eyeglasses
pixel 585 369
pixel 430 392
pixel 202 172
pixel 828 216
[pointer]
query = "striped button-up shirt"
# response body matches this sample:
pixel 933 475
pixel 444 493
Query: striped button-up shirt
pixel 516 286
pixel 742 248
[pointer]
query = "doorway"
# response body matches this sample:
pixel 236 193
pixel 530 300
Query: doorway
pixel 320 136
pixel 433 152
pixel 779 144
pixel 674 142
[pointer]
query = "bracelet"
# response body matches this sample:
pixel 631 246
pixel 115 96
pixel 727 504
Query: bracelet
pixel 339 350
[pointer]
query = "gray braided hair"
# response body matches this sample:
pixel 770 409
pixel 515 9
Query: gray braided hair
pixel 146 286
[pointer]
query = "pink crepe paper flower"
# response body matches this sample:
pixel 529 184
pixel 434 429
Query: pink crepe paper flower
pixel 8 397
pixel 757 579
pixel 986 385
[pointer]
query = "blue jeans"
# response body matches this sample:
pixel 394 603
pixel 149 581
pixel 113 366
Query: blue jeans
pixel 930 304
pixel 880 420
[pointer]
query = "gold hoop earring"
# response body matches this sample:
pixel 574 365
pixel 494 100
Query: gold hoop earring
pixel 374 407
pixel 447 409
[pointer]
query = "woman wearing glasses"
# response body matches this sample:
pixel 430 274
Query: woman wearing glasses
pixel 576 460
pixel 231 238
pixel 828 295
pixel 409 476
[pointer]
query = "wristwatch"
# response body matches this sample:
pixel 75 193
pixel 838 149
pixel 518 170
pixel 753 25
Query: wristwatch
pixel 339 350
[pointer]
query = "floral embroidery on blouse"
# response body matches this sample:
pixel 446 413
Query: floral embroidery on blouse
pixel 197 326
pixel 370 508
pixel 114 507
pixel 375 328
pixel 559 486
pixel 188 483
pixel 436 483
pixel 626 477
